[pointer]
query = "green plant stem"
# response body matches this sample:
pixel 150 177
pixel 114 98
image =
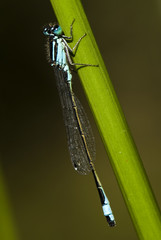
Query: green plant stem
pixel 8 230
pixel 110 120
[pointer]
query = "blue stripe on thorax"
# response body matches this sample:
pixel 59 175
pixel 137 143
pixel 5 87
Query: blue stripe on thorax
pixel 59 57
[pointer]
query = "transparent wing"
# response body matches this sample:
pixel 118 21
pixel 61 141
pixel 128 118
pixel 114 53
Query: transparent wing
pixel 76 148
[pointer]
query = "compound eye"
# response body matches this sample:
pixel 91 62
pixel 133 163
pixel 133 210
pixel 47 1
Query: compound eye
pixel 57 30
pixel 48 30
pixel 56 27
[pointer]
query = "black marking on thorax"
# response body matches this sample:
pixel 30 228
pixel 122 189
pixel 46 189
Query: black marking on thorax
pixel 51 42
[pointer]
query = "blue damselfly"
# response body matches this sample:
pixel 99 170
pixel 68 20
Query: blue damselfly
pixel 79 134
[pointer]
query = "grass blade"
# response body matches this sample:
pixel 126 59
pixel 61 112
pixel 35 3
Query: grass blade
pixel 112 125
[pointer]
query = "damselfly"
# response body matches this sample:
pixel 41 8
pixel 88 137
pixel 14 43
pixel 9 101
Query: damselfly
pixel 79 134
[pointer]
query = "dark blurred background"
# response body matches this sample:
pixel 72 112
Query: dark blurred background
pixel 49 199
